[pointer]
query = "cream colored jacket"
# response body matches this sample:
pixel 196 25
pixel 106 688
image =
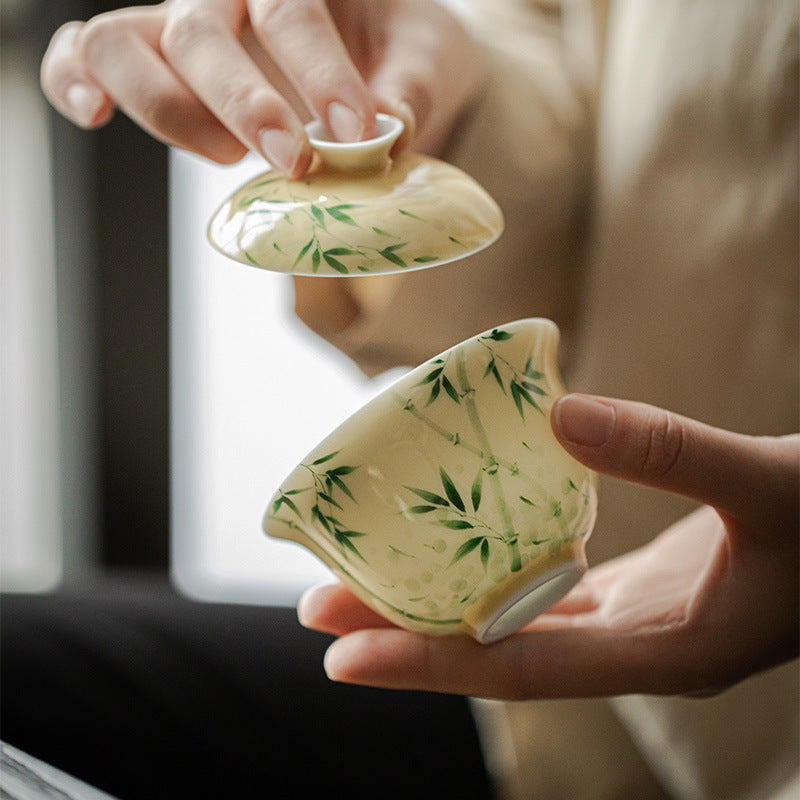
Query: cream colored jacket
pixel 646 159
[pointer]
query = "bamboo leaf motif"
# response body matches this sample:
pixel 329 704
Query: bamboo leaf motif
pixel 340 216
pixel 497 377
pixel 431 376
pixel 531 372
pixel 498 335
pixel 318 515
pixel 451 491
pixel 302 253
pixel 343 538
pixel 343 470
pixel 477 490
pixel 467 548
pixel 284 500
pixel 328 499
pixel 422 509
pixel 334 263
pixel 315 260
pixel 450 389
pixel 323 459
pixel 429 497
pixel 434 392
pixel 425 259
pixel 318 215
pixel 520 393
pixel 535 388
pixel 342 485
pixel 389 254
pixel 485 553
pixel 343 251
pixel 517 398
pixel 455 524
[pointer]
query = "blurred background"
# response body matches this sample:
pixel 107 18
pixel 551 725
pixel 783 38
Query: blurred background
pixel 85 458
pixel 154 394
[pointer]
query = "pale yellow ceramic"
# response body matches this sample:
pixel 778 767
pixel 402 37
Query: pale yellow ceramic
pixel 446 503
pixel 357 212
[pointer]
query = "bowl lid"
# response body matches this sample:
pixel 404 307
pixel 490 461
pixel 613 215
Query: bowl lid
pixel 357 212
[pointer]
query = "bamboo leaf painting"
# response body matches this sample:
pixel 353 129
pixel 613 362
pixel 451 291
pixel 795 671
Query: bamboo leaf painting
pixel 429 497
pixel 391 256
pixel 485 553
pixel 477 490
pixel 323 459
pixel 430 377
pixel 338 214
pixel 423 509
pixel 318 215
pixel 435 389
pixel 334 263
pixel 450 490
pixel 467 548
pixel 455 524
pixel 450 389
pixel 302 252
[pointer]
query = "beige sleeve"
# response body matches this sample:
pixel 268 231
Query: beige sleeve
pixel 527 140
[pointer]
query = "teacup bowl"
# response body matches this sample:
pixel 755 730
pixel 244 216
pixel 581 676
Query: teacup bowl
pixel 446 503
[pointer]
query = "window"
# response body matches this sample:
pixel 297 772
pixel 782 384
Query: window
pixel 30 531
pixel 252 392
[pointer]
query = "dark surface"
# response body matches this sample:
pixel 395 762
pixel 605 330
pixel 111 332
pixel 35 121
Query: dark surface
pixel 144 694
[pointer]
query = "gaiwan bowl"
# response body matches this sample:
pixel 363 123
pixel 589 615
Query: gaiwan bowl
pixel 446 503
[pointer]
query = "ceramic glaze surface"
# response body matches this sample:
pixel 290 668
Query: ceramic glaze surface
pixel 446 500
pixel 412 213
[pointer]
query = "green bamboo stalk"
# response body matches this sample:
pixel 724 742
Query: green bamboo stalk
pixel 483 439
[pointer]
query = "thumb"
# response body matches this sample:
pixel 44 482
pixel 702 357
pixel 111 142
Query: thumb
pixel 653 447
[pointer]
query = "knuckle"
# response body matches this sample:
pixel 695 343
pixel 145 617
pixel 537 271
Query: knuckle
pixel 271 15
pixel 664 447
pixel 184 29
pixel 99 36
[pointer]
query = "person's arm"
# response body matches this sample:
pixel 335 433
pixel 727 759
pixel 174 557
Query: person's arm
pixel 711 601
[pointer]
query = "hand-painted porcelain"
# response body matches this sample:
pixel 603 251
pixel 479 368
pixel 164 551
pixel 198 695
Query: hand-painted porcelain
pixel 446 503
pixel 357 212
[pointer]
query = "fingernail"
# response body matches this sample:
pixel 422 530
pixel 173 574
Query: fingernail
pixel 344 123
pixel 280 148
pixel 310 602
pixel 339 656
pixel 584 420
pixel 85 101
